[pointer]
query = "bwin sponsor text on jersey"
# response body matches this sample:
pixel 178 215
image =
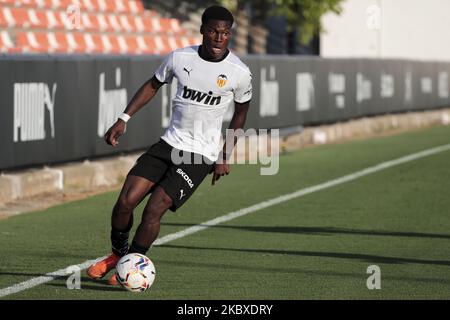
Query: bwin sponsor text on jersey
pixel 198 96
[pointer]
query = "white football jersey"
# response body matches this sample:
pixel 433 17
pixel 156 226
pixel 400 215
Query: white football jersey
pixel 205 90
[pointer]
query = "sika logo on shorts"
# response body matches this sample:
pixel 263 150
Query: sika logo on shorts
pixel 185 177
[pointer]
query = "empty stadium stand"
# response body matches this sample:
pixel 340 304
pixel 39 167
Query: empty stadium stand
pixel 88 27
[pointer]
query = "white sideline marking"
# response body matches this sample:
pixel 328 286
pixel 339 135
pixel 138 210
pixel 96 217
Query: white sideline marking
pixel 233 215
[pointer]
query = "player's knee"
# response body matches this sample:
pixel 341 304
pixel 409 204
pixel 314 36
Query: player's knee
pixel 161 205
pixel 127 203
pixel 166 201
pixel 157 206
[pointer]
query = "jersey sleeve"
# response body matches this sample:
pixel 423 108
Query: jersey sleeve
pixel 243 91
pixel 165 71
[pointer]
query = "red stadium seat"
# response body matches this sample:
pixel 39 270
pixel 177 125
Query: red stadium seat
pixel 3 21
pixel 142 46
pixel 127 23
pixel 108 44
pixel 38 19
pixel 103 23
pixel 151 44
pixel 6 43
pixel 131 44
pixel 12 16
pixel 135 7
pixel 89 5
pixel 139 23
pixel 164 44
pixel 9 2
pixel 91 43
pixel 114 22
pixel 169 25
pixel 89 22
pixel 32 42
pixel 117 6
pixel 103 26
pixel 123 45
pixel 58 42
pixel 74 43
pixel 63 43
pixel 8 17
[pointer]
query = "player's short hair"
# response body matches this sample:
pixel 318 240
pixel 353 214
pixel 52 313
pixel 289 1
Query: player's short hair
pixel 217 13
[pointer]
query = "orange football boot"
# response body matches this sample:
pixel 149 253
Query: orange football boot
pixel 100 269
pixel 113 280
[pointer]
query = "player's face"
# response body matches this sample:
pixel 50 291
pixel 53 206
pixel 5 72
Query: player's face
pixel 216 36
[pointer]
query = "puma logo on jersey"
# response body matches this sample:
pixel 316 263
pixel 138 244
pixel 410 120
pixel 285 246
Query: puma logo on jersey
pixel 198 96
pixel 185 177
pixel 182 193
pixel 188 71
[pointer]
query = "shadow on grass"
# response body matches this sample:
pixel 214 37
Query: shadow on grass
pixel 196 263
pixel 323 231
pixel 338 255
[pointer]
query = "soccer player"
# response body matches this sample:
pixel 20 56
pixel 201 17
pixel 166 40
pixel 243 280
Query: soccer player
pixel 209 78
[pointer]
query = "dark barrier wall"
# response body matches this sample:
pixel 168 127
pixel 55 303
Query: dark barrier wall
pixel 57 108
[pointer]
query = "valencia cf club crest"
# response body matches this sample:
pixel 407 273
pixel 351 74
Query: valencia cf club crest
pixel 221 80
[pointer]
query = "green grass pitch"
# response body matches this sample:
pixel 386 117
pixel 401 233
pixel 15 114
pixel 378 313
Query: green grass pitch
pixel 314 247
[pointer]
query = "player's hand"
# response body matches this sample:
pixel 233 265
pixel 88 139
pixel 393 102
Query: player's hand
pixel 113 133
pixel 220 169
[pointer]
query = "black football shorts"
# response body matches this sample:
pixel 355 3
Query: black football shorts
pixel 179 181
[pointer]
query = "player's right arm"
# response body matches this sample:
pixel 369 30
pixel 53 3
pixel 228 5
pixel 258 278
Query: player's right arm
pixel 145 93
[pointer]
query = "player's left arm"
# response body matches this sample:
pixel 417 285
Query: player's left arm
pixel 222 166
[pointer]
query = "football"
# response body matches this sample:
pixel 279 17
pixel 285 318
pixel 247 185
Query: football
pixel 135 272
